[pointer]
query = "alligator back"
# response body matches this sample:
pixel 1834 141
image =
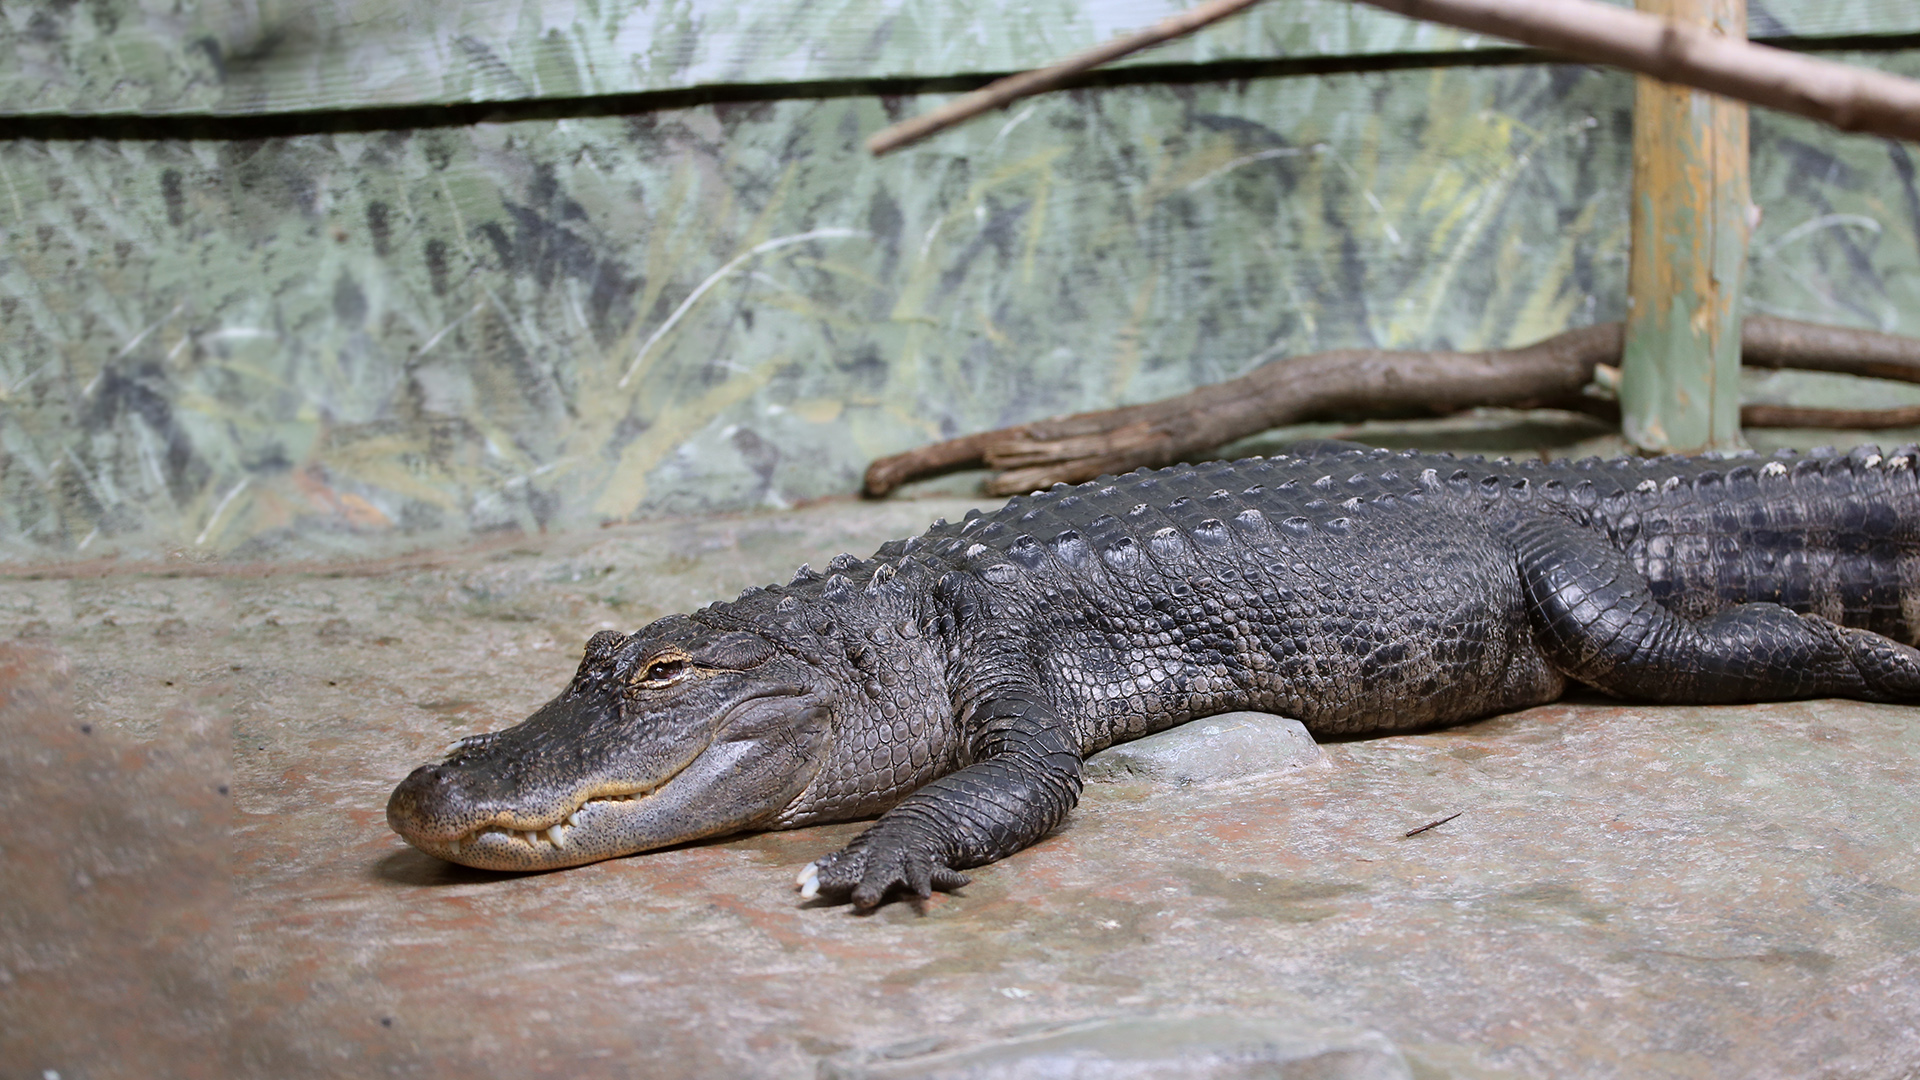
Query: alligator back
pixel 1836 535
pixel 1370 590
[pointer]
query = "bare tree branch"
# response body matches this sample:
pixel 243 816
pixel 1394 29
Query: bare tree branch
pixel 1787 343
pixel 1357 383
pixel 1795 416
pixel 1850 98
pixel 1847 97
pixel 1013 87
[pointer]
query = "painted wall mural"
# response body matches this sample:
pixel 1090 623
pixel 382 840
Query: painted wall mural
pixel 346 344
pixel 266 56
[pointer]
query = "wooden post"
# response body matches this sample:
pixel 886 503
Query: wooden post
pixel 1680 370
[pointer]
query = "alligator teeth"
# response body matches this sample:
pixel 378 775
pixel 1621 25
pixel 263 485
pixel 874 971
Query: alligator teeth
pixel 809 881
pixel 491 830
pixel 555 834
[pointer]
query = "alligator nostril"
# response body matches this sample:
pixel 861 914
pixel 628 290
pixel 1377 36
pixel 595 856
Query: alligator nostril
pixel 431 802
pixel 427 778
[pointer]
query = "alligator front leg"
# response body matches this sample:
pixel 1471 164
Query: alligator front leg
pixel 1597 620
pixel 1025 777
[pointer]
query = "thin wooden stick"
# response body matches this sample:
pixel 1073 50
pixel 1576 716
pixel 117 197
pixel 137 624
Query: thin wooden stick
pixel 1013 87
pixel 1849 98
pixel 1411 833
pixel 1349 383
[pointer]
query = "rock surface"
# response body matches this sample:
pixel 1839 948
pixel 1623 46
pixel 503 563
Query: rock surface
pixel 1628 891
pixel 1231 746
pixel 1142 1048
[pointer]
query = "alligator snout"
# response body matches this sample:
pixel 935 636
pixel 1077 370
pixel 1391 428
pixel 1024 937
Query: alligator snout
pixel 679 734
pixel 474 816
pixel 420 802
pixel 439 804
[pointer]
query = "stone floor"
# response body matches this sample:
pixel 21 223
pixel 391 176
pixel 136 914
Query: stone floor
pixel 198 879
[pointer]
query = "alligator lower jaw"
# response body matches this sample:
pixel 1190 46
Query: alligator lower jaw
pixel 536 845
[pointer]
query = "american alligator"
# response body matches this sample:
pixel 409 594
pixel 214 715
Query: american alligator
pixel 954 682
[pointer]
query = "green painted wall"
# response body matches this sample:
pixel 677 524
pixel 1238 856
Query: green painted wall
pixel 351 344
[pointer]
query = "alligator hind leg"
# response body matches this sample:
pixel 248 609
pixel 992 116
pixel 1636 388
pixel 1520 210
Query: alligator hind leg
pixel 1597 620
pixel 1025 777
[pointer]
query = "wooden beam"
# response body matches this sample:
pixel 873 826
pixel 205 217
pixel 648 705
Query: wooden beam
pixel 1680 370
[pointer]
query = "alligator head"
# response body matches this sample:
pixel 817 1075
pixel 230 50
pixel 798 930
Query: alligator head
pixel 675 733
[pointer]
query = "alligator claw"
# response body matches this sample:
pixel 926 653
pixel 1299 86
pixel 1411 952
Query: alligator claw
pixel 869 873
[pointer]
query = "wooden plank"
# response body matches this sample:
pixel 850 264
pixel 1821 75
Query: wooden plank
pixel 1680 370
pixel 162 57
pixel 353 344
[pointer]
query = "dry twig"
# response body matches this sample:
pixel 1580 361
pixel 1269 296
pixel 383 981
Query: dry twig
pixel 1433 824
pixel 1375 383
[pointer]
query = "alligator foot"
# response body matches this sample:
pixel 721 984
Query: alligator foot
pixel 869 874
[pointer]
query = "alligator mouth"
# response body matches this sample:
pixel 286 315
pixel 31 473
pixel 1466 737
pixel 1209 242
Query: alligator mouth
pixel 609 818
pixel 542 841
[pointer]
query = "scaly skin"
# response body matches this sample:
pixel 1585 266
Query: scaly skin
pixel 954 683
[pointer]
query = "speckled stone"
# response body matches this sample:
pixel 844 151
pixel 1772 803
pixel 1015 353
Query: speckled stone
pixel 1231 746
pixel 1142 1048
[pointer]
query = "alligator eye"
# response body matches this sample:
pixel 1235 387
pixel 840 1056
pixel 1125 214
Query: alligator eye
pixel 663 672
